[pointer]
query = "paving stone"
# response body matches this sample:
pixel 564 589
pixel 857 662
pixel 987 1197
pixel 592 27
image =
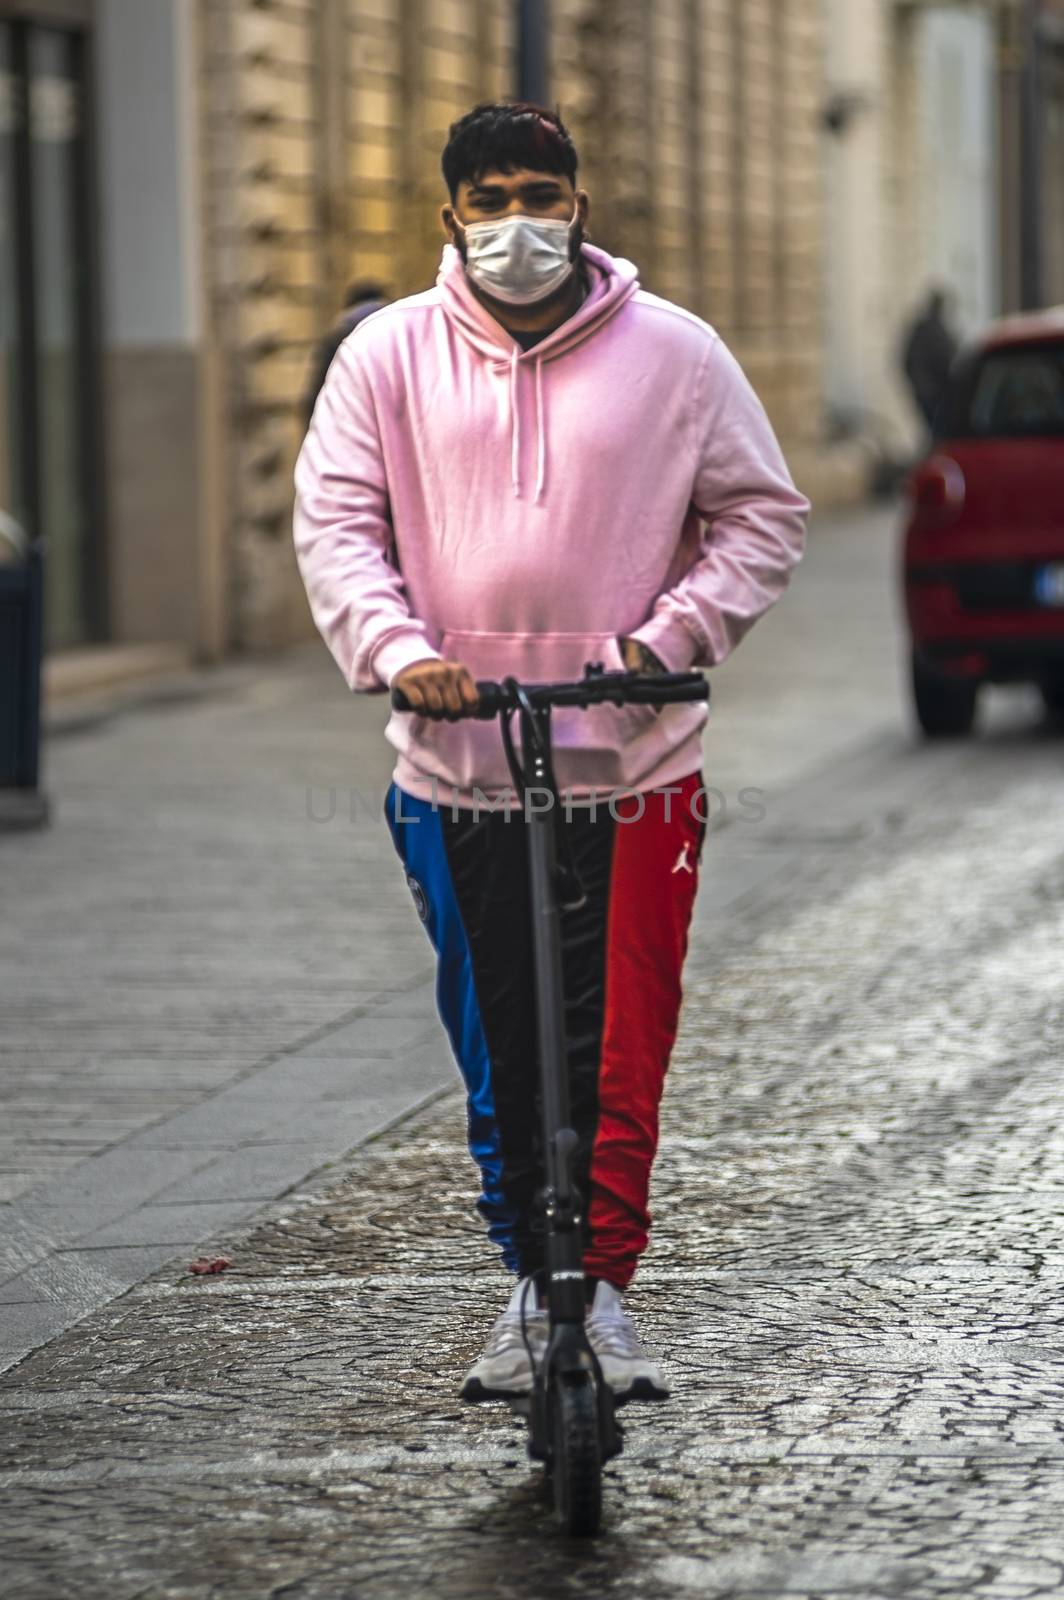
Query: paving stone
pixel 254 1172
pixel 29 1323
pixel 176 1224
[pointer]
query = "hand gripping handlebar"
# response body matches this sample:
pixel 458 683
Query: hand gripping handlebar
pixel 596 687
pixel 535 701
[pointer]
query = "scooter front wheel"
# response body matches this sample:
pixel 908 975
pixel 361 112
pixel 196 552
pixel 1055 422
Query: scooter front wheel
pixel 576 1456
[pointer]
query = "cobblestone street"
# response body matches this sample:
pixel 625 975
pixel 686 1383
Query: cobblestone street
pixel 854 1277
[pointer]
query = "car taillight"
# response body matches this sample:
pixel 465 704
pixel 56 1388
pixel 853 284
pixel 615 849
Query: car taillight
pixel 937 492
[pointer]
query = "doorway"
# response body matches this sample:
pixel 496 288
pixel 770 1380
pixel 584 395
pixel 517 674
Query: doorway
pixel 49 389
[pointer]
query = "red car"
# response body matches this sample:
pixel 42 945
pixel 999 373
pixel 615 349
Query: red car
pixel 984 544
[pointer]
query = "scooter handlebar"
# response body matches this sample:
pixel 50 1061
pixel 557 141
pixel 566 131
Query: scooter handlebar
pixel 595 688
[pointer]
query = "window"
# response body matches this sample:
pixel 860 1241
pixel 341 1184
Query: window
pixel 1008 394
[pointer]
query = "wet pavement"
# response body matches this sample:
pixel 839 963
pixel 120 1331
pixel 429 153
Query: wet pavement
pixel 854 1280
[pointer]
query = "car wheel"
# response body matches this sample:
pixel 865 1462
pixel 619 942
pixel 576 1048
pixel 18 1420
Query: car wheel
pixel 1053 696
pixel 945 706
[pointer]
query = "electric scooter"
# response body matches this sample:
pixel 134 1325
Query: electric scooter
pixel 572 1426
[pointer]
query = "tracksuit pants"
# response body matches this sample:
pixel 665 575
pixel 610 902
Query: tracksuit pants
pixel 622 956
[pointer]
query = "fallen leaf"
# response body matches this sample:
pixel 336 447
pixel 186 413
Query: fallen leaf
pixel 206 1264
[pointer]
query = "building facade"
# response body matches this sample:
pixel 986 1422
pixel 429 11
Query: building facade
pixel 943 170
pixel 192 183
pixel 912 195
pixel 1049 136
pixel 698 123
pixel 323 122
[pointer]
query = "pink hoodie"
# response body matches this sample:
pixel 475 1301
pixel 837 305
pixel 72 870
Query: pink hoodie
pixel 457 497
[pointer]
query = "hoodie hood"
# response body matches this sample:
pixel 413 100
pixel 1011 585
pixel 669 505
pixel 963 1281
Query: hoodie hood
pixel 612 283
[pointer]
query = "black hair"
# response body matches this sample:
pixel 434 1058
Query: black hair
pixel 505 135
pixel 363 289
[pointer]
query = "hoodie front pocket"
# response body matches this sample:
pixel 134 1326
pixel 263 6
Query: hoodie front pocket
pixel 639 714
pixel 592 747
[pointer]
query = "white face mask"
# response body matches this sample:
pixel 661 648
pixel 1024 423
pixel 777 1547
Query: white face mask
pixel 520 260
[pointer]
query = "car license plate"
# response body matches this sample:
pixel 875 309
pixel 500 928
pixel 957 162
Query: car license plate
pixel 1049 584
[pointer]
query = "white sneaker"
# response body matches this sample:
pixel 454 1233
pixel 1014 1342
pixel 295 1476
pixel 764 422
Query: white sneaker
pixel 625 1365
pixel 505 1368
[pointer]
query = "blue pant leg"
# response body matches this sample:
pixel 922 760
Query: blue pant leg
pixel 417 834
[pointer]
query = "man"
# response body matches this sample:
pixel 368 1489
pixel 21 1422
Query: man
pixel 928 352
pixel 362 299
pixel 508 474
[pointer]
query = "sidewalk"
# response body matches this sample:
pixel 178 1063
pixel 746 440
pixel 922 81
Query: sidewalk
pixel 198 1009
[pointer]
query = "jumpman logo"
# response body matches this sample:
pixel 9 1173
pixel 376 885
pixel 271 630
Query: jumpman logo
pixel 682 861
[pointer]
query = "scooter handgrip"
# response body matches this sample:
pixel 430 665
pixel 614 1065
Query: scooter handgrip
pixel 490 699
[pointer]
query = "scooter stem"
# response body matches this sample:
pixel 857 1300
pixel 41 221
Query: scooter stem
pixel 563 1204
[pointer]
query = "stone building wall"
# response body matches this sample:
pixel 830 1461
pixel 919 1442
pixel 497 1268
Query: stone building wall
pixel 324 120
pixel 917 179
pixel 1052 181
pixel 697 121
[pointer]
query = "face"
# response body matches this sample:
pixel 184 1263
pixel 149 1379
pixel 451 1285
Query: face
pixel 520 193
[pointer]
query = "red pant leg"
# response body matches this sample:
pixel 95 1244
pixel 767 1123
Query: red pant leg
pixel 653 881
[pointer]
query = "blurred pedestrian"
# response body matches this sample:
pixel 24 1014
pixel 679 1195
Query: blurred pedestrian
pixel 533 465
pixel 929 349
pixel 363 297
pixel 13 542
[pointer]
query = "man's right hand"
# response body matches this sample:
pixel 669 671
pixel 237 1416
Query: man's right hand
pixel 438 688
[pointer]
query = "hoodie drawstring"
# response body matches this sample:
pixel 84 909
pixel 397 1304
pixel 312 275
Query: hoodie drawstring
pixel 515 430
pixel 541 463
pixel 612 284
